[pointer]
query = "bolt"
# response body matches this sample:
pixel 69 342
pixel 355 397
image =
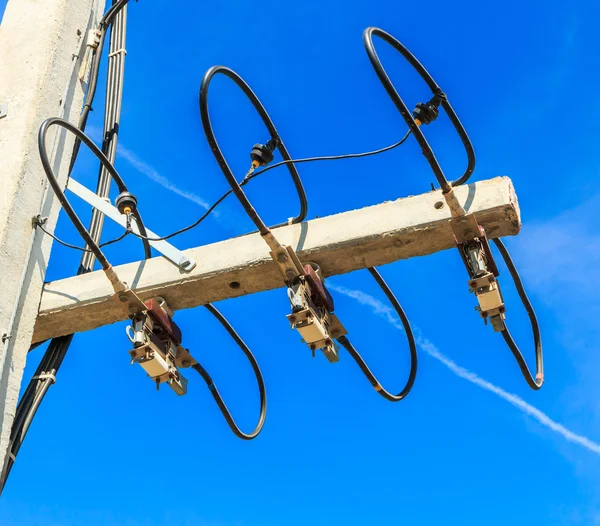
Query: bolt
pixel 292 319
pixel 473 284
pixel 491 279
pixel 312 346
pixel 502 309
pixel 439 205
pixel 290 273
pixel 484 314
pixel 328 342
pixel 282 258
pixel 123 298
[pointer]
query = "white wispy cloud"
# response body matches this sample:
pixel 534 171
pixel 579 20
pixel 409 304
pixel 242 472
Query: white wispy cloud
pixel 564 250
pixel 144 168
pixel 387 313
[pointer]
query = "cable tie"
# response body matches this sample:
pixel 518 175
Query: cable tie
pixel 122 50
pixel 45 376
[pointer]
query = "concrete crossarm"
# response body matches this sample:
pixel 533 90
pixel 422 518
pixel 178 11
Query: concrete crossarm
pixel 372 236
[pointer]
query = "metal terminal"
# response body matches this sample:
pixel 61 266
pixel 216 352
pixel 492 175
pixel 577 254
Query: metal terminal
pixel 491 304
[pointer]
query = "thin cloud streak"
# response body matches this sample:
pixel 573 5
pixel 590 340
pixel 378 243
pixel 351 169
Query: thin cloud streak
pixel 153 175
pixel 425 345
pixel 147 170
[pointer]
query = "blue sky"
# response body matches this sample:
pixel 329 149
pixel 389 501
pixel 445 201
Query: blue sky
pixel 471 444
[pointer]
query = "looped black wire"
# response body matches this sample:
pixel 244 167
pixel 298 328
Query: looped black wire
pixel 537 382
pixel 214 145
pixel 257 372
pixel 411 343
pixel 407 115
pixel 83 232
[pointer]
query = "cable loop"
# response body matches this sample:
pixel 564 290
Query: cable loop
pixel 257 373
pixel 344 342
pixel 216 150
pixel 537 382
pixel 406 114
pixel 62 198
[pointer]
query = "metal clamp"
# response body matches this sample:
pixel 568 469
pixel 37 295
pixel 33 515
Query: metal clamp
pixel 312 306
pixel 475 251
pixel 156 340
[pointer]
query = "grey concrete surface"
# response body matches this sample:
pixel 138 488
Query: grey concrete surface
pixel 372 236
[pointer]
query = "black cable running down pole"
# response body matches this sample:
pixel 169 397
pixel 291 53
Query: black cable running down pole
pixel 406 114
pixel 537 382
pixel 344 342
pixel 257 372
pixel 216 150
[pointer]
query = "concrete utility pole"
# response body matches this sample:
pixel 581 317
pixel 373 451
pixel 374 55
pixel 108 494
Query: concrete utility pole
pixel 372 236
pixel 42 43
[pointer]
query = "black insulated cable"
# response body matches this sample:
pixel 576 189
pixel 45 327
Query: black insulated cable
pixel 56 187
pixel 441 98
pixel 328 158
pixel 216 150
pixel 257 372
pixel 83 232
pixel 249 177
pixel 537 382
pixel 344 342
pixel 40 225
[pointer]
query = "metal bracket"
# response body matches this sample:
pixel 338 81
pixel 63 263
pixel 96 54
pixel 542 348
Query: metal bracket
pixel 173 254
pixel 130 302
pixel 3 110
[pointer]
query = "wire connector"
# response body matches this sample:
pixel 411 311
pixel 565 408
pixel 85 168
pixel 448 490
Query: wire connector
pixel 262 154
pixel 126 203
